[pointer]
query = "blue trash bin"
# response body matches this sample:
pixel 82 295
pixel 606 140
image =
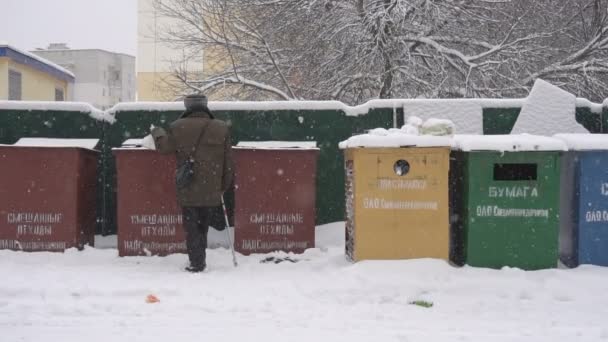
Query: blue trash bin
pixel 584 200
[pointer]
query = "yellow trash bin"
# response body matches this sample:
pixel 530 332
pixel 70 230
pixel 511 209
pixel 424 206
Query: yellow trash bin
pixel 397 196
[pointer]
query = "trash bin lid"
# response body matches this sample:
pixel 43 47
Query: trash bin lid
pixel 284 145
pixel 146 142
pixel 88 144
pixel 382 138
pixel 132 142
pixel 507 143
pixel 584 142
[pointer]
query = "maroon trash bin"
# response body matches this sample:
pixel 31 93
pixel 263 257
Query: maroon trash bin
pixel 47 194
pixel 275 193
pixel 148 216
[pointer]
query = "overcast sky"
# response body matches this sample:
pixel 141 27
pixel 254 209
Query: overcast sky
pixel 82 24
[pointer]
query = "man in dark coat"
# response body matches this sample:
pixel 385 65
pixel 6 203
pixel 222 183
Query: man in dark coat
pixel 213 170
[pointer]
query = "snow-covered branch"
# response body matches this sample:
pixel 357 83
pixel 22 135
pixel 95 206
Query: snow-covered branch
pixel 220 81
pixel 355 50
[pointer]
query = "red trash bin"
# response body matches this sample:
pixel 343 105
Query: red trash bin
pixel 148 216
pixel 275 194
pixel 47 194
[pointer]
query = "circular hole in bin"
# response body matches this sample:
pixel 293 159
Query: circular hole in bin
pixel 401 167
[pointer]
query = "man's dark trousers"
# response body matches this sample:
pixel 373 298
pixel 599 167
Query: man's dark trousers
pixel 196 224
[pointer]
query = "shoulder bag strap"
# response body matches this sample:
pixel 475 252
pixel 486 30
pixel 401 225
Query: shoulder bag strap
pixel 198 141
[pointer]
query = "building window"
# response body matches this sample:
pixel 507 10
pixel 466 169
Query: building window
pixel 59 96
pixel 14 85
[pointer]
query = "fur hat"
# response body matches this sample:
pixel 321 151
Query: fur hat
pixel 196 103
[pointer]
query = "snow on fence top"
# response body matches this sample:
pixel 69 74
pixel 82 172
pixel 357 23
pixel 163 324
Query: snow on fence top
pixel 417 107
pixel 394 137
pixel 507 143
pixel 596 108
pixel 88 144
pixel 147 107
pixel 260 106
pixel 81 107
pixel 410 106
pixel 267 145
pixel 584 142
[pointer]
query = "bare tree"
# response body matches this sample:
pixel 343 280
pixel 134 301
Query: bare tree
pixel 356 50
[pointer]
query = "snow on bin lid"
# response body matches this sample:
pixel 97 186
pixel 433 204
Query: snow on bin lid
pixel 88 144
pixel 582 142
pixel 146 142
pixel 278 144
pixel 507 143
pixel 394 137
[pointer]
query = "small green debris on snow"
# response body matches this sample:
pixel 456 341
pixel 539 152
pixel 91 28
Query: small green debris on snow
pixel 422 303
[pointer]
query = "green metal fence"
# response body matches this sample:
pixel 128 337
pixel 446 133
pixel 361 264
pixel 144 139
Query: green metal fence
pixel 502 120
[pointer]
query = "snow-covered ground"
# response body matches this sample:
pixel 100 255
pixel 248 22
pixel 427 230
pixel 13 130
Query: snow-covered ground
pixel 96 296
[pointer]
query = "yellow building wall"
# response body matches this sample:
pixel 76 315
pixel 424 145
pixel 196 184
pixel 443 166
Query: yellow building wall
pixel 37 85
pixel 3 78
pixel 156 60
pixel 216 60
pixel 156 86
pixel 163 86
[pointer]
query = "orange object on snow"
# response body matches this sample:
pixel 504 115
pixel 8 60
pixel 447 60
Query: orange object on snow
pixel 152 299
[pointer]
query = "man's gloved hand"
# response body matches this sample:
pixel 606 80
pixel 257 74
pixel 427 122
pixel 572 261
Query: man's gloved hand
pixel 161 139
pixel 157 131
pixel 148 141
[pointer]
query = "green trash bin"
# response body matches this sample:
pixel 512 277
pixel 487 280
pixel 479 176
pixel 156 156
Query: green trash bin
pixel 505 200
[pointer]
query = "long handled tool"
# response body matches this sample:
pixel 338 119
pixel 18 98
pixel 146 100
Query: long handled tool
pixel 228 233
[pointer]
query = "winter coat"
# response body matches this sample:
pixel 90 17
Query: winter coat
pixel 213 170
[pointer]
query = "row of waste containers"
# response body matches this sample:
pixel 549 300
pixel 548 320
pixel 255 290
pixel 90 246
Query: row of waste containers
pixel 48 193
pixel 490 201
